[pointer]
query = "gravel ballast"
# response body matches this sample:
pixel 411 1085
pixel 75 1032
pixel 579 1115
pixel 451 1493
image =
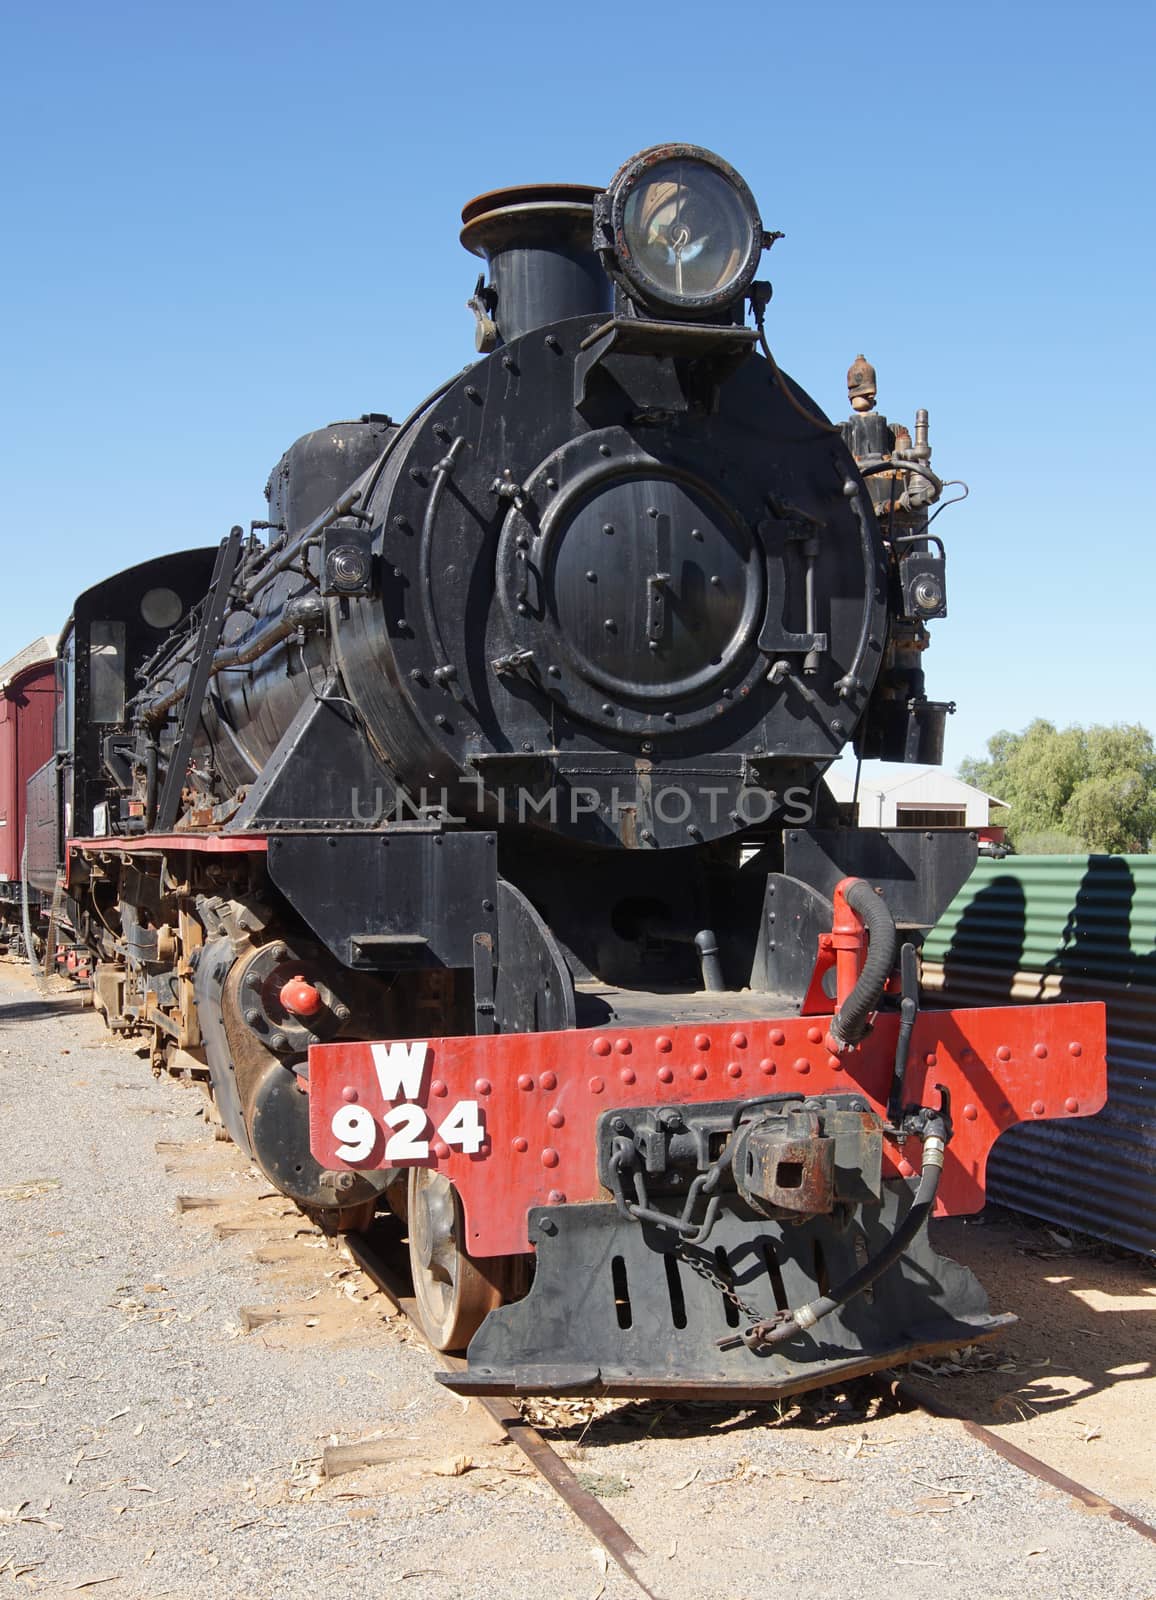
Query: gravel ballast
pixel 149 1446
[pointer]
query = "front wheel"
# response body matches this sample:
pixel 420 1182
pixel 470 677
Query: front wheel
pixel 455 1292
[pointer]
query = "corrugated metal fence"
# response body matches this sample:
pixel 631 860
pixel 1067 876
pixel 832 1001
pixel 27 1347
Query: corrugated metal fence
pixel 1033 928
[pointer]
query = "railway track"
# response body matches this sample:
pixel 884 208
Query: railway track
pixel 388 1275
pixel 610 1534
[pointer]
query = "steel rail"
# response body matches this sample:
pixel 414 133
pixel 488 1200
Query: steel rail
pixel 936 1406
pixel 589 1510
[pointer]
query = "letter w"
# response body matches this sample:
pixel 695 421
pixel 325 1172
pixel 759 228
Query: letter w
pixel 399 1069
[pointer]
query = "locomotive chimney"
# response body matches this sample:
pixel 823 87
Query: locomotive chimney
pixel 537 241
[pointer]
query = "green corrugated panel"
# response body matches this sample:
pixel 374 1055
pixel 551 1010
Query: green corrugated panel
pixel 1076 916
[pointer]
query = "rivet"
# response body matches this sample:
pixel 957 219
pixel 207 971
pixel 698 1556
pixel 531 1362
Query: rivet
pixel 1071 1103
pixel 441 432
pixel 441 1149
pixel 929 1059
pixel 349 1094
pixel 555 1118
pixel 663 1044
pixel 815 1035
pixel 1003 1053
pixel 607 709
pixel 906 1170
pixel 551 483
pixel 646 836
pixel 802 1066
pixel 739 1041
pixel 597 1085
pixel 555 1198
pixel 834 1063
pixel 767 1067
pixel 603 449
pixel 1075 1049
pixel 442 722
pixel 698 1071
pixel 472 393
pixel 696 533
pixel 591 576
pixel 601 1046
pixel 666 1074
pixel 549 1157
pixel 438 1087
pixel 778 1036
pixel 1038 1107
pixel 715 581
pixel 521 1145
pixel 1041 1051
pixel 487 905
pixel 734 1070
pixel 702 1041
pixel 971 1112
pixel 628 1074
pixel 525 1081
pixel 623 1046
pixel 523 609
pixel 509 363
pixel 652 511
pixel 548 1080
pixel 554 672
pixel 668 716
pixel 483 1085
pixel 607 527
pixel 551 342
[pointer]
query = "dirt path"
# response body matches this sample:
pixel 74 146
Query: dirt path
pixel 151 1446
pixel 1075 1381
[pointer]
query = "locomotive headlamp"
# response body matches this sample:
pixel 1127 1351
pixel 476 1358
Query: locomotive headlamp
pixel 681 230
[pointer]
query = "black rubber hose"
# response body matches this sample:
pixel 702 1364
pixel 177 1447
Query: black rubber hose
pixel 934 1146
pixel 849 1023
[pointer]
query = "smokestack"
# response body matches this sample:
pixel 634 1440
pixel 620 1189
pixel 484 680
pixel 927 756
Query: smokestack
pixel 537 241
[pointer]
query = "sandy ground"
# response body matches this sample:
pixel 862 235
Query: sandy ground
pixel 150 1445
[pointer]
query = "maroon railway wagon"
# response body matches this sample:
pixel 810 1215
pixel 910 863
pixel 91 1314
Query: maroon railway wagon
pixel 28 696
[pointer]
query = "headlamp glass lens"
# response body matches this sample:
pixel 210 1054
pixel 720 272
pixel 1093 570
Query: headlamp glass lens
pixel 687 230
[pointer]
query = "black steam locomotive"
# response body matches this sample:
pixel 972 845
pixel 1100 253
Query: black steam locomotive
pixel 463 821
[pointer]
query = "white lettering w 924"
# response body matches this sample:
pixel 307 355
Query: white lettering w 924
pixel 358 1131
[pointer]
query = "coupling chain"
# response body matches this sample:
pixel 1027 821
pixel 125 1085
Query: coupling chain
pixel 718 1281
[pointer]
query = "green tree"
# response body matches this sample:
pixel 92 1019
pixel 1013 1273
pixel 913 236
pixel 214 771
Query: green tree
pixel 1090 789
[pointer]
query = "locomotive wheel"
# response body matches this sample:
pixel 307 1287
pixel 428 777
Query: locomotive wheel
pixel 454 1293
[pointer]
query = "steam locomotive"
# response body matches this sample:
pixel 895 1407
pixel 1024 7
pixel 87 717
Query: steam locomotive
pixel 463 821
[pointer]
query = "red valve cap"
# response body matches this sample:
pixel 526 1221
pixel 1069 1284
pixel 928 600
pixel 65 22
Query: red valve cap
pixel 299 997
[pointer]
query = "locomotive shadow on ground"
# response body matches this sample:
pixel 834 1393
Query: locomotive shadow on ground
pixel 29 1010
pixel 1087 1350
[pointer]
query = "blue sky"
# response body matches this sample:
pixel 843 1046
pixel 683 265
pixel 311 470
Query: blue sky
pixel 227 224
